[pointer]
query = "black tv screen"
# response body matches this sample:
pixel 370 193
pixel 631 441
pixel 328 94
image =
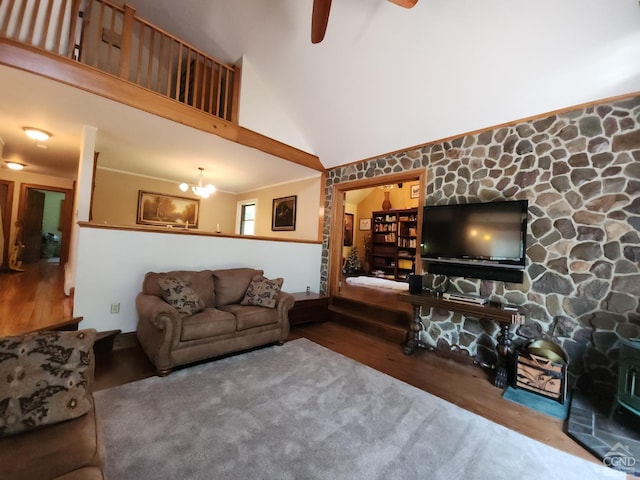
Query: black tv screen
pixel 491 236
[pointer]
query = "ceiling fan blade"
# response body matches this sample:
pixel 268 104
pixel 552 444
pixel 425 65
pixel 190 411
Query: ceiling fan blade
pixel 404 3
pixel 319 19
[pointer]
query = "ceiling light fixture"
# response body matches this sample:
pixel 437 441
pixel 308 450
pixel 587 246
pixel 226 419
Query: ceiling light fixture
pixel 15 165
pixel 37 134
pixel 200 189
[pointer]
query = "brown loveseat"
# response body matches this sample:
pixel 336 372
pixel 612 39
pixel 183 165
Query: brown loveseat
pixel 215 314
pixel 53 364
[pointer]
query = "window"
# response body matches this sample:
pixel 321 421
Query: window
pixel 247 218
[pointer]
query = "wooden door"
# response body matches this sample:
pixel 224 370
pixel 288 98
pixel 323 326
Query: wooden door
pixel 32 226
pixel 6 205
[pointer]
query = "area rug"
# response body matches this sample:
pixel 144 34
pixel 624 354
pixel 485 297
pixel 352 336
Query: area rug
pixel 301 411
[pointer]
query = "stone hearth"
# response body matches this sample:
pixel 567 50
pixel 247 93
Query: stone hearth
pixel 614 437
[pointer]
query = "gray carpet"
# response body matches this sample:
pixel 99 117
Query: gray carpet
pixel 301 411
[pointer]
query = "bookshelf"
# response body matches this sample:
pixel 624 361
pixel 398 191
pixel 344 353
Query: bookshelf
pixel 407 242
pixel 393 243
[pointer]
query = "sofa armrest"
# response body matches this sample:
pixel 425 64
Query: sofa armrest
pixel 284 303
pixel 159 327
pixel 154 309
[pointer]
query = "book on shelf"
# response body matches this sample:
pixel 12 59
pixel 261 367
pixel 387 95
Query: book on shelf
pixel 405 263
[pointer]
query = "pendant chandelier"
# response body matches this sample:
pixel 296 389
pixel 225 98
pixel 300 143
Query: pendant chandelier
pixel 200 189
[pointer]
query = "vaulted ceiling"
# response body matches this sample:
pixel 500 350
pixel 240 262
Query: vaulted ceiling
pixel 386 78
pixel 383 79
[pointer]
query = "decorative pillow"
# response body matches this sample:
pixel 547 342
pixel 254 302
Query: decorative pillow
pixel 44 379
pixel 262 292
pixel 179 294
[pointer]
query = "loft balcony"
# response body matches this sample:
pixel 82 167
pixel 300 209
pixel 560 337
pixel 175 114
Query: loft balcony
pixel 108 50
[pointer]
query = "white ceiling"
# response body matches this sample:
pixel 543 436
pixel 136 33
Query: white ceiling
pixel 383 79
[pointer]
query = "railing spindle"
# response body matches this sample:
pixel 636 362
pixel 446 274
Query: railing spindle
pixel 5 23
pixel 71 37
pixel 125 42
pixel 46 24
pixel 32 24
pixel 98 34
pixel 150 56
pixel 179 73
pixel 110 36
pixel 169 76
pixel 137 63
pixel 21 17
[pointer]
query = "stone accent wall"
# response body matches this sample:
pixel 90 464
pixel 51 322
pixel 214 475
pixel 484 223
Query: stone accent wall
pixel 580 171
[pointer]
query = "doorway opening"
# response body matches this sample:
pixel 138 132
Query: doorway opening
pixel 352 204
pixel 44 223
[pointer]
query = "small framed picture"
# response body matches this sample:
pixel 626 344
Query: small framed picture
pixel 365 224
pixel 283 216
pixel 415 191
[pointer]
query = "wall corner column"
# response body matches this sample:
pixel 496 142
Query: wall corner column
pixel 81 202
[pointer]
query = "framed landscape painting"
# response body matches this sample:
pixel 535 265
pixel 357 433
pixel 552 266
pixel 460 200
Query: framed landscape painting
pixel 167 210
pixel 283 216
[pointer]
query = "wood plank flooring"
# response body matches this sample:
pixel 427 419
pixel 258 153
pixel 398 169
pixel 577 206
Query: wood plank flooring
pixel 33 299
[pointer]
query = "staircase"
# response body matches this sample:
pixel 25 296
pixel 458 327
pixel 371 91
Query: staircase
pixel 388 321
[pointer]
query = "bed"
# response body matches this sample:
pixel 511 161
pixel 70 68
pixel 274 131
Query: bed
pixel 376 282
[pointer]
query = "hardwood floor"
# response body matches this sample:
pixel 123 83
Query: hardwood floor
pixel 33 299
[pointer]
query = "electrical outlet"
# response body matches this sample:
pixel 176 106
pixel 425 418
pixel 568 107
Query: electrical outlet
pixel 115 308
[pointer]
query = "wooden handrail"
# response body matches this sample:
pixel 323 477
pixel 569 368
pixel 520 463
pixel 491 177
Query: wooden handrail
pixel 74 65
pixel 115 40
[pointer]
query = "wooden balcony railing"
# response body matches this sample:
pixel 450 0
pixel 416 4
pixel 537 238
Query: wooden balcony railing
pixel 114 40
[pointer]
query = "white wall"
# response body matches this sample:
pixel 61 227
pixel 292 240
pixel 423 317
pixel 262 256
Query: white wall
pixel 307 192
pixel 111 265
pixel 260 111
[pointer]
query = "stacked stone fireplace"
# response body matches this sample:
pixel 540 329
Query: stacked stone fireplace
pixel 580 171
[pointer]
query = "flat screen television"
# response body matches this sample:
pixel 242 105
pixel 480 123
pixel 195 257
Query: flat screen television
pixel 477 240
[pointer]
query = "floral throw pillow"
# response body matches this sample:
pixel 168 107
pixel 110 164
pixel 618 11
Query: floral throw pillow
pixel 179 294
pixel 44 379
pixel 262 292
